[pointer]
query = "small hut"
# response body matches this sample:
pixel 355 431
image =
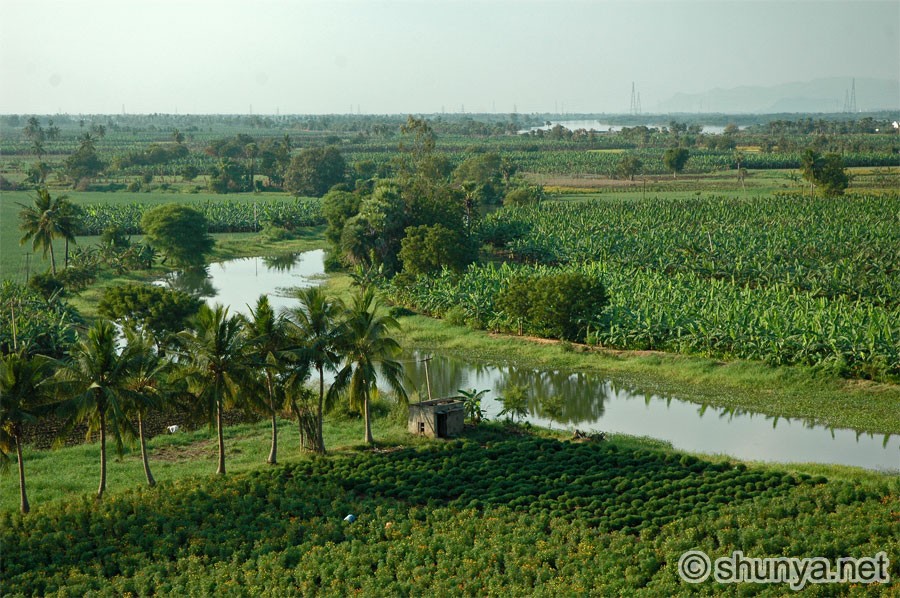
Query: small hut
pixel 438 418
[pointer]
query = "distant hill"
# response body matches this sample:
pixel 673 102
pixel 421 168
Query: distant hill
pixel 819 95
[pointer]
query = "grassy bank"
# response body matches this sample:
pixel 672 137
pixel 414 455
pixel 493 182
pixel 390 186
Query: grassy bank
pixel 497 512
pixel 784 392
pixel 794 392
pixel 228 246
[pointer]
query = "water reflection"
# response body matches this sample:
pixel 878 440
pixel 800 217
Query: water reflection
pixel 239 283
pixel 282 263
pixel 195 282
pixel 592 403
pixel 587 401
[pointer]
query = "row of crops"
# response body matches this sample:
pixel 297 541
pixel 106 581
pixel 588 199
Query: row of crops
pixel 223 216
pixel 447 519
pixel 650 310
pixel 669 292
pixel 827 247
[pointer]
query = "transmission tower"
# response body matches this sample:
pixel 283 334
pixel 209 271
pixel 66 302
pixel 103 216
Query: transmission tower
pixel 850 98
pixel 633 108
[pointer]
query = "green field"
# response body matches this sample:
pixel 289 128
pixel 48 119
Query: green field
pixel 500 512
pixel 731 283
pixel 121 209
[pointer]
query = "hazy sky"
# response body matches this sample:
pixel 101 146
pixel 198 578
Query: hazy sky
pixel 422 56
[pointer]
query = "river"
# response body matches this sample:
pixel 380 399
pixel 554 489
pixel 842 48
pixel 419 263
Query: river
pixel 571 400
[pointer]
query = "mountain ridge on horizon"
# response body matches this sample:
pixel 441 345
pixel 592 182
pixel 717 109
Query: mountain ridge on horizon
pixel 818 95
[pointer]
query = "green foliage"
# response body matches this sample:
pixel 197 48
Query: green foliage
pixel 34 324
pixel 496 519
pixel 472 403
pixel 84 163
pixel 223 216
pixel 826 172
pixel 46 219
pixel 675 159
pixel 47 285
pixel 428 249
pixel 314 171
pixel 149 307
pixel 554 305
pixel 228 176
pixel 525 195
pixel 515 402
pixel 768 279
pixel 337 208
pixel 628 166
pixel 179 232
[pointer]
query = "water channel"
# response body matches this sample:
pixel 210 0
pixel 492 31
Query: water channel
pixel 571 400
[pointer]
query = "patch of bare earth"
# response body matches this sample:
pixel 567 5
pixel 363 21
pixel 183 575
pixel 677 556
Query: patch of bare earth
pixel 202 449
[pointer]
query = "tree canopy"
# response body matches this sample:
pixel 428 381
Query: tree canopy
pixel 179 233
pixel 314 171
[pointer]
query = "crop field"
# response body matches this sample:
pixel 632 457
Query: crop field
pixel 492 514
pixel 225 214
pixel 761 276
pixel 785 280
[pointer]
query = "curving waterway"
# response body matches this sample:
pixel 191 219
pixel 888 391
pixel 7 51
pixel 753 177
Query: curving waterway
pixel 572 400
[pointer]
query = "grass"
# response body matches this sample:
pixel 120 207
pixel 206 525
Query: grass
pixel 62 474
pixel 12 255
pixel 794 392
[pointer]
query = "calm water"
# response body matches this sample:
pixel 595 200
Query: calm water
pixel 557 399
pixel 598 126
pixel 591 402
pixel 239 283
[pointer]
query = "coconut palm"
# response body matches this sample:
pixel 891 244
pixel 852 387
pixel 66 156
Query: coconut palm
pixel 315 327
pixel 215 364
pixel 368 350
pixel 25 393
pixel 145 387
pixel 46 219
pixel 95 382
pixel 266 338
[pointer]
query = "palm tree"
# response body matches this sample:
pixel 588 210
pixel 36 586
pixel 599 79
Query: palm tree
pixel 45 220
pixel 25 394
pixel 143 390
pixel 216 365
pixel 315 326
pixel 95 382
pixel 265 342
pixel 367 349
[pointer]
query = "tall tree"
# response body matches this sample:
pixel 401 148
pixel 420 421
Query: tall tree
pixel 675 159
pixel 179 232
pixel 46 219
pixel 148 308
pixel 145 388
pixel 368 350
pixel 94 383
pixel 84 163
pixel 266 339
pixel 215 365
pixel 314 171
pixel 315 327
pixel 26 392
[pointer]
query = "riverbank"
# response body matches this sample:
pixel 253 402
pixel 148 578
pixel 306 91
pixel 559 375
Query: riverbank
pixel 791 392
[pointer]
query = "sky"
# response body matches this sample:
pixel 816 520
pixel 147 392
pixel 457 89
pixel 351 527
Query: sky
pixel 423 56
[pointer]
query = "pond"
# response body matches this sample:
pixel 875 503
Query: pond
pixel 600 127
pixel 239 283
pixel 571 400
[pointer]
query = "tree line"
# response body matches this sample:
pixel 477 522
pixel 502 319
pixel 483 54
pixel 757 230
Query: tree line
pixel 157 349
